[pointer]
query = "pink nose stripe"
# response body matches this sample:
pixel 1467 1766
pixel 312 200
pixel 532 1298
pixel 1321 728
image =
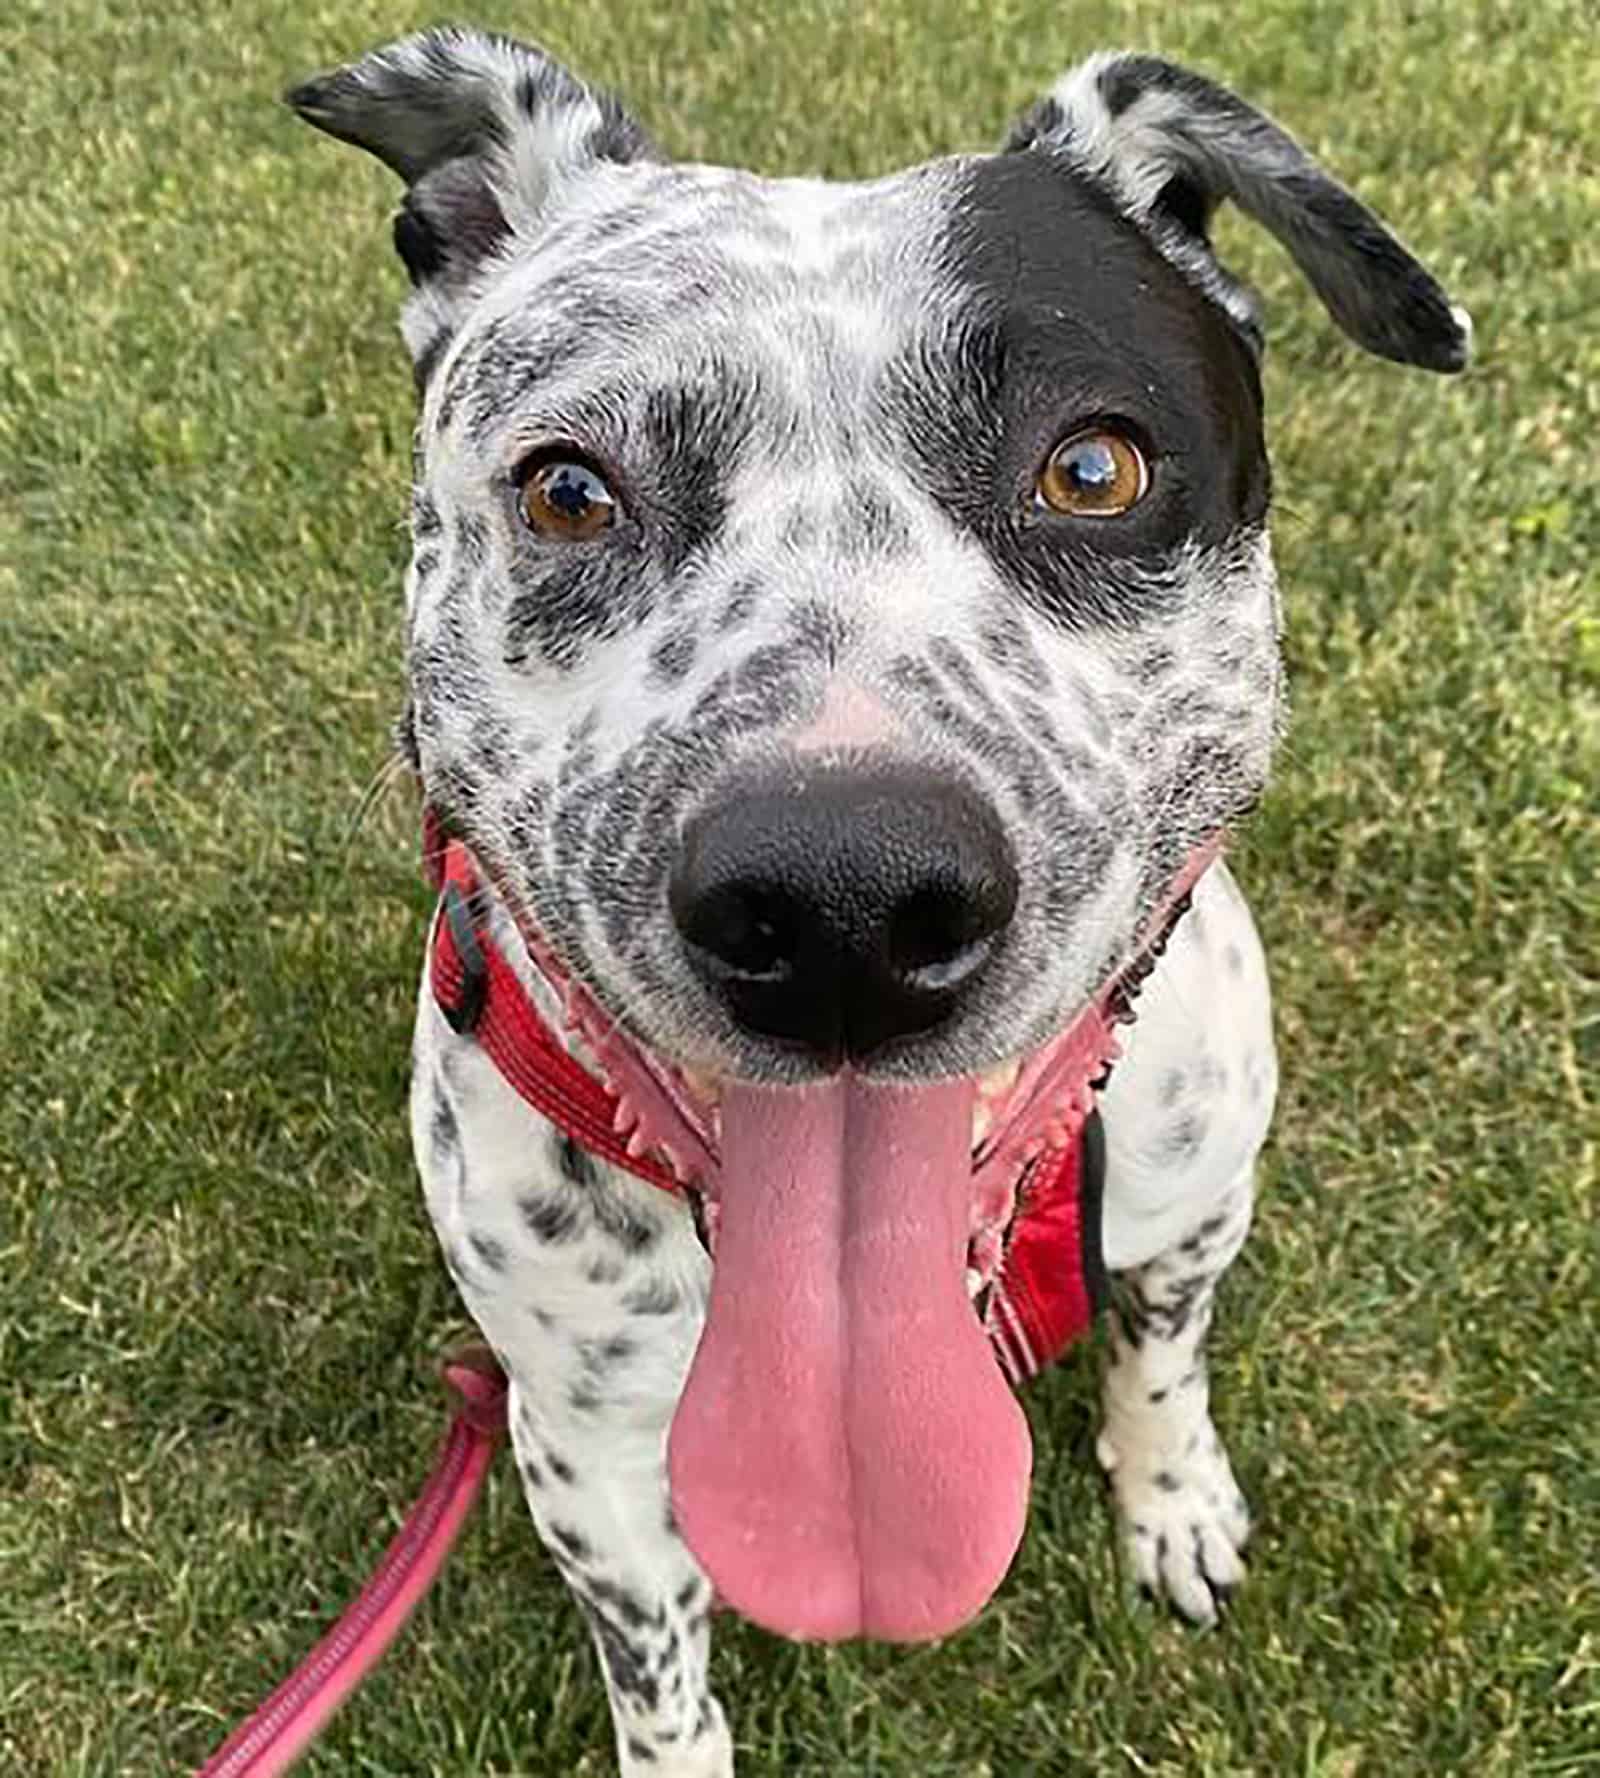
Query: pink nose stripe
pixel 850 717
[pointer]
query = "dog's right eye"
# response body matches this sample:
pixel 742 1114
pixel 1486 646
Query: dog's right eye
pixel 564 497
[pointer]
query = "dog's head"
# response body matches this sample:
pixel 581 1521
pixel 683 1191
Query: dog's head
pixel 841 623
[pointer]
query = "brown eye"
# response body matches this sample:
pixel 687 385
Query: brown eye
pixel 1095 474
pixel 564 497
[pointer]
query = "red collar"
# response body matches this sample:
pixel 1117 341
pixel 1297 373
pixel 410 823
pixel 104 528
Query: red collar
pixel 1052 1280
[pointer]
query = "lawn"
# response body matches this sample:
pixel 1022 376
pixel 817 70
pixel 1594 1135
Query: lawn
pixel 221 1297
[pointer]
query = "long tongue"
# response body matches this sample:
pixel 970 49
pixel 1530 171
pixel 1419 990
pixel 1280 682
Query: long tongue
pixel 846 1459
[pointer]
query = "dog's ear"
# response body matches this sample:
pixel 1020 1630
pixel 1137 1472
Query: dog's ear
pixel 1168 146
pixel 480 127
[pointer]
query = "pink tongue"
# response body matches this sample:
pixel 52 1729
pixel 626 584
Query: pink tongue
pixel 847 1459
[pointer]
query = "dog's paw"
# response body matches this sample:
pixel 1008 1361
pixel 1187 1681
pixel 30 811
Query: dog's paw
pixel 1183 1522
pixel 706 1753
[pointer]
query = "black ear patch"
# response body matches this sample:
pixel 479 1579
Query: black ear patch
pixel 450 217
pixel 1169 146
pixel 477 125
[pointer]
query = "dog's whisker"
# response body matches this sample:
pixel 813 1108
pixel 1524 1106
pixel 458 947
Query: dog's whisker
pixel 390 772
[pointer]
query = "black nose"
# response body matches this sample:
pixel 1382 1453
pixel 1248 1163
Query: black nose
pixel 840 910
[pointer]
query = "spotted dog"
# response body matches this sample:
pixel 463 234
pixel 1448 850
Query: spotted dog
pixel 841 627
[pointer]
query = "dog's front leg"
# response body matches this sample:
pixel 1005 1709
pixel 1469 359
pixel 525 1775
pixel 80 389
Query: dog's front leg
pixel 1185 1114
pixel 591 1288
pixel 1183 1520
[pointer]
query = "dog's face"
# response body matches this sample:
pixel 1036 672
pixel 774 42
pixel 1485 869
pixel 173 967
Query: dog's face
pixel 841 625
pixel 811 436
pixel 952 482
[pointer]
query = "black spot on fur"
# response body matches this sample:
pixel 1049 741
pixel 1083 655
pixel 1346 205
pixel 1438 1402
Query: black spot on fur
pixel 1004 639
pixel 819 631
pixel 404 737
pixel 627 1663
pixel 577 1164
pixel 696 434
pixel 617 1218
pixel 598 1358
pixel 738 605
pixel 488 1249
pixel 560 1468
pixel 568 597
pixel 490 746
pixel 570 1541
pixel 673 655
pixel 552 1217
pixel 425 519
pixel 625 1606
pixel 1132 1311
pixel 427 359
pixel 458 1268
pixel 472 539
pixel 1183 1139
pixel 444 1128
pixel 1178 1302
pixel 654 1297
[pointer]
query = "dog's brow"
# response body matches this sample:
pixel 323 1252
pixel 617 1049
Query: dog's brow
pixel 657 415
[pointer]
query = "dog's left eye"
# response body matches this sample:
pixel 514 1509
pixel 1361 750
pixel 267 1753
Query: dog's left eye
pixel 1093 474
pixel 562 496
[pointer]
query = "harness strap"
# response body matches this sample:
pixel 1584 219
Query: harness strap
pixel 479 994
pixel 1052 1282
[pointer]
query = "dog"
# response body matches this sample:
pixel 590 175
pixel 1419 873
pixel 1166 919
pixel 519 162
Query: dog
pixel 840 630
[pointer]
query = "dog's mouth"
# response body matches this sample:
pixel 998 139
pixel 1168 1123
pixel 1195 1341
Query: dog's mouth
pixel 847 1458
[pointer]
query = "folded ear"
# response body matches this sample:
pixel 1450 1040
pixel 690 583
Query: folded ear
pixel 480 127
pixel 1168 146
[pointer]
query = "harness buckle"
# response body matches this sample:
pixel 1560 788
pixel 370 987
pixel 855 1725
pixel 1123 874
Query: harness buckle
pixel 463 1017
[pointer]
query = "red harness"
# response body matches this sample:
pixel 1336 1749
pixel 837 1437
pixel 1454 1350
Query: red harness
pixel 1051 1281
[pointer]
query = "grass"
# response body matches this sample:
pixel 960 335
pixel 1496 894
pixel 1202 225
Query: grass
pixel 221 1298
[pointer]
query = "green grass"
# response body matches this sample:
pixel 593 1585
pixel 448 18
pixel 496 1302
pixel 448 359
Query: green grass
pixel 220 1296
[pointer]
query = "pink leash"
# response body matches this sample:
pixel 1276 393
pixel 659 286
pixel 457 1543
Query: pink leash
pixel 286 1724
